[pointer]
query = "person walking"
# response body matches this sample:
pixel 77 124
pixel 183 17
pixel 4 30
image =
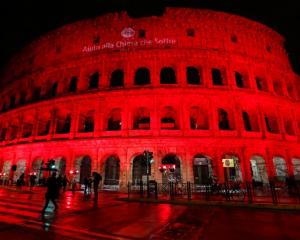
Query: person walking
pixel 65 181
pixel 96 181
pixel 52 192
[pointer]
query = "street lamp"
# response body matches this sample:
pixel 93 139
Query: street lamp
pixel 149 160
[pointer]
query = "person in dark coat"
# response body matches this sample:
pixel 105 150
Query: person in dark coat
pixel 96 181
pixel 65 181
pixel 52 192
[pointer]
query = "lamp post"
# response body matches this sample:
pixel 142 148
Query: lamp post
pixel 149 159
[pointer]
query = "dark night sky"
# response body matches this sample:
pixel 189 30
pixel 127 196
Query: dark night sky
pixel 21 21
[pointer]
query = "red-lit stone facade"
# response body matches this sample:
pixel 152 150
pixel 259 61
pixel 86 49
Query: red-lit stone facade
pixel 193 86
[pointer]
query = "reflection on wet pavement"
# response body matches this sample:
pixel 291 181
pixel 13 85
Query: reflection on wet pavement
pixel 81 218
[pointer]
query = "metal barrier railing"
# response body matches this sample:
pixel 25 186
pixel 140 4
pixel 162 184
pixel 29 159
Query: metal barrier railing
pixel 231 192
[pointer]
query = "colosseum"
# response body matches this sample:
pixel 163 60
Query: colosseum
pixel 210 94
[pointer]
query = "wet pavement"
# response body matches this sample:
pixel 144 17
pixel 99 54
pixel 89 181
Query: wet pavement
pixel 80 218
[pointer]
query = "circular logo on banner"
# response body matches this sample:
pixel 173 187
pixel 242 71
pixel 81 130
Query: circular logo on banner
pixel 227 162
pixel 127 32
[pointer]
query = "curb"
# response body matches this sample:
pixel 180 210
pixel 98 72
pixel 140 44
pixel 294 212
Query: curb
pixel 288 207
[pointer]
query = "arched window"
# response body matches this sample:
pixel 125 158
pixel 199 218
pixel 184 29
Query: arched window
pixel 280 168
pixel 217 77
pixel 241 80
pixel 168 120
pixel 193 76
pixel 261 84
pixel 198 118
pixel 112 171
pixel 3 134
pixel 14 129
pixel 86 122
pixel 278 88
pixel 142 76
pixel 271 123
pixel 289 127
pixel 246 120
pixel 73 84
pixel 27 129
pixel 117 78
pixel 54 89
pixel 223 119
pixel 94 80
pixel 114 120
pixel 291 91
pixel 63 124
pixel 44 122
pixel 167 75
pixel 142 119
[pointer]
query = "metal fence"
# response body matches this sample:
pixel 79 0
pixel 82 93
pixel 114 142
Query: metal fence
pixel 274 192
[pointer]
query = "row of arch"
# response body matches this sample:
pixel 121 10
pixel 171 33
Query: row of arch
pixel 141 120
pixel 142 77
pixel 204 169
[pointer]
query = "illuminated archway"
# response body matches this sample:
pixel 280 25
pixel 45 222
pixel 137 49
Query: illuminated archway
pixel 280 168
pixel 112 172
pixel 171 176
pixel 202 170
pixel 232 170
pixel 258 170
pixel 139 169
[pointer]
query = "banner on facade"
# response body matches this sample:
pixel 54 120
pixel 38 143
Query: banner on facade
pixel 228 162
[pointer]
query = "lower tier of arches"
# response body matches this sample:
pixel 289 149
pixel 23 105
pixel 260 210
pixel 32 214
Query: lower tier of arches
pixel 123 160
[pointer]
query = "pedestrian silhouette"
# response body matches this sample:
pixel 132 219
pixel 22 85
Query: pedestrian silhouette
pixel 96 180
pixel 52 192
pixel 65 181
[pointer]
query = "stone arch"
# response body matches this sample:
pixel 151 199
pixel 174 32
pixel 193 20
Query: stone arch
pixel 36 166
pixel 280 166
pixel 21 167
pixel 258 170
pixel 83 165
pixel 112 172
pixel 202 169
pixel 296 167
pixel 232 167
pixel 139 169
pixel 60 165
pixel 168 162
